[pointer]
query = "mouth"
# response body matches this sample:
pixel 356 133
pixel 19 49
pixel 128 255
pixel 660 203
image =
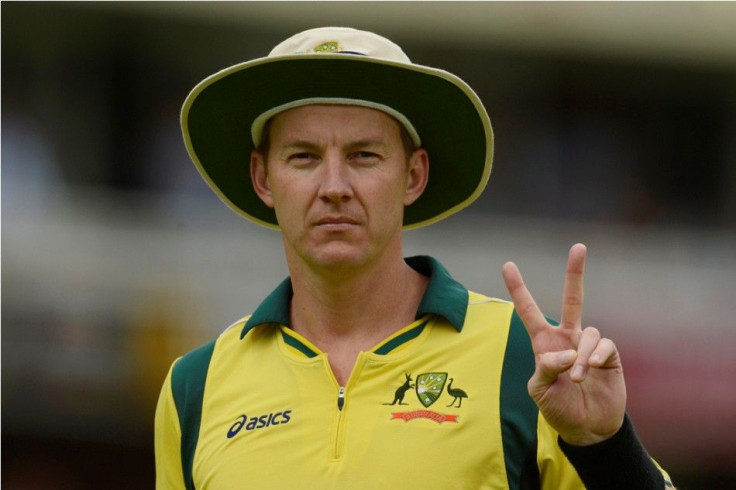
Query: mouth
pixel 336 222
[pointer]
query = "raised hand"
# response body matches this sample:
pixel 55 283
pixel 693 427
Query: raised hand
pixel 578 383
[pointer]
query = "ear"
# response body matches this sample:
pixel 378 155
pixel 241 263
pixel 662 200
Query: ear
pixel 418 175
pixel 259 177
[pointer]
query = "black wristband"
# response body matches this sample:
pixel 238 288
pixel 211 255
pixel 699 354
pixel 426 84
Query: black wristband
pixel 620 462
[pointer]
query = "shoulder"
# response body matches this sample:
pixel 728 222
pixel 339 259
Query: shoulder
pixel 488 311
pixel 501 313
pixel 476 299
pixel 191 368
pixel 189 373
pixel 495 322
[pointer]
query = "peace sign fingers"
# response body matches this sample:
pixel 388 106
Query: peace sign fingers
pixel 572 294
pixel 578 380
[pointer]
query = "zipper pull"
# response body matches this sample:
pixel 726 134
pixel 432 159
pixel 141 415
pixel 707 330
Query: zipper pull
pixel 341 398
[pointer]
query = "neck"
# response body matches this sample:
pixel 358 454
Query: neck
pixel 346 310
pixel 360 307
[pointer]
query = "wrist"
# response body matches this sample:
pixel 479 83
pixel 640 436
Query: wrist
pixel 615 463
pixel 590 439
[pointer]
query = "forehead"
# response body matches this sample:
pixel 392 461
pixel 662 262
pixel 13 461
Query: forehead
pixel 334 120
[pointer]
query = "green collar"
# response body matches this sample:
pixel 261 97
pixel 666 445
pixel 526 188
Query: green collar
pixel 444 297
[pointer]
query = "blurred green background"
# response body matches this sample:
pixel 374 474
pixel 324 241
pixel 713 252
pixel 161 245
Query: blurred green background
pixel 615 125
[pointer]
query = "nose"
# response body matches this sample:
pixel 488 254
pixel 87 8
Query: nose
pixel 336 185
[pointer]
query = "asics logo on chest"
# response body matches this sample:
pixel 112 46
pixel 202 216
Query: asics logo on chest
pixel 258 422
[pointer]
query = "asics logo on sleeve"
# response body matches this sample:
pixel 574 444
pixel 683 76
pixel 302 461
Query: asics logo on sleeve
pixel 258 422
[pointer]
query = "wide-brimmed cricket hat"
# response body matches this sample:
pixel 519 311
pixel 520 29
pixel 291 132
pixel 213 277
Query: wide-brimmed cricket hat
pixel 223 116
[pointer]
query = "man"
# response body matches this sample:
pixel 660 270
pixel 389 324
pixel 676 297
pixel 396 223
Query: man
pixel 364 369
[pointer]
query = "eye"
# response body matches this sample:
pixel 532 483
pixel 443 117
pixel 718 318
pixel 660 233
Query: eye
pixel 301 159
pixel 365 157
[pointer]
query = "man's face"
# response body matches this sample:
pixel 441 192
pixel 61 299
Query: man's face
pixel 338 178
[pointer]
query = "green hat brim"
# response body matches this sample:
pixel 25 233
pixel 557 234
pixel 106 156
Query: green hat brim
pixel 449 117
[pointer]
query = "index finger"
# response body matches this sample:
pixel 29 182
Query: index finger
pixel 530 314
pixel 572 293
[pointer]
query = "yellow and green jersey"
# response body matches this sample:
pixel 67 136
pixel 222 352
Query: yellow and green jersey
pixel 440 404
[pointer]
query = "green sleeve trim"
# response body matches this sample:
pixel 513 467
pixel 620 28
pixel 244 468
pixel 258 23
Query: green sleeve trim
pixel 187 384
pixel 518 411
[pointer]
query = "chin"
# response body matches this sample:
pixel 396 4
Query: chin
pixel 336 258
pixel 342 262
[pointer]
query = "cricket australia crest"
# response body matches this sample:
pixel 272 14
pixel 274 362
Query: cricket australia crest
pixel 429 387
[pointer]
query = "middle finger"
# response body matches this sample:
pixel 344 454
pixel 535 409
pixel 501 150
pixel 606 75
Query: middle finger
pixel 572 295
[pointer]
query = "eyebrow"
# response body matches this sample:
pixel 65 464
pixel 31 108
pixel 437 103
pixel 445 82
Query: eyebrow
pixel 352 145
pixel 369 142
pixel 298 144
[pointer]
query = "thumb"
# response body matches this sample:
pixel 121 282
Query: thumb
pixel 549 366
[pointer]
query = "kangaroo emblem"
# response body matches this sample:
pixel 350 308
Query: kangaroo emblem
pixel 401 391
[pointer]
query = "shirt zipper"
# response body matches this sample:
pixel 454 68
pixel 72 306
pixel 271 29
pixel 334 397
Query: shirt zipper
pixel 339 443
pixel 341 398
pixel 337 449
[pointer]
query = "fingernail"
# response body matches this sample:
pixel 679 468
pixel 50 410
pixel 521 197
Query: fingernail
pixel 577 371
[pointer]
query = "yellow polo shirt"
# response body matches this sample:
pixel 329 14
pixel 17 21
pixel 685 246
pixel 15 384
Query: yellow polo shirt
pixel 441 404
